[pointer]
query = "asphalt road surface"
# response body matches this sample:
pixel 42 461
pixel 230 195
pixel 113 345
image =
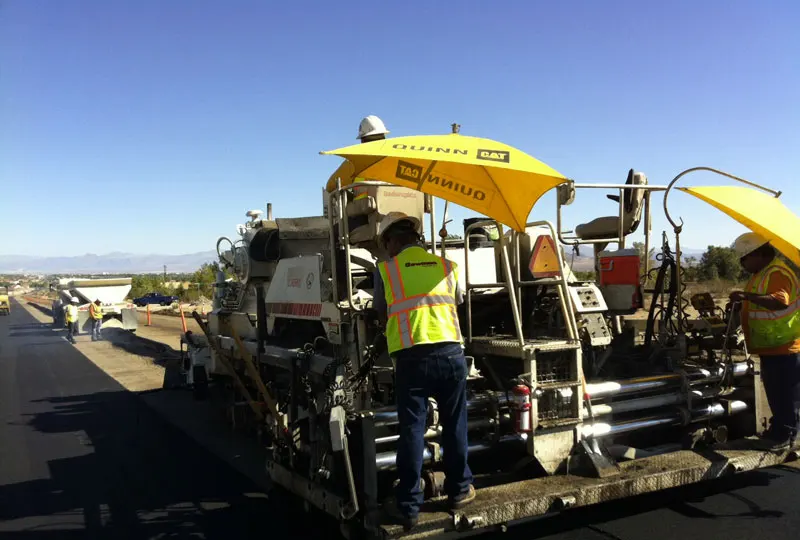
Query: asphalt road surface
pixel 81 457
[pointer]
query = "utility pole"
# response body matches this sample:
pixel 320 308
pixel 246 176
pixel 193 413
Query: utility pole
pixel 165 273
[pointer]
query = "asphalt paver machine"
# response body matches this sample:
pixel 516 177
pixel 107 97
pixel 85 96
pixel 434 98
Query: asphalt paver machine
pixel 580 390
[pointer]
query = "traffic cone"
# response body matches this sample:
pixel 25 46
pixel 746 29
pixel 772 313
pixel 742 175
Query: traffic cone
pixel 183 318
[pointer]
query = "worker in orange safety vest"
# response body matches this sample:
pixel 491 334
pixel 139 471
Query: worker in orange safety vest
pixel 96 315
pixel 416 295
pixel 770 317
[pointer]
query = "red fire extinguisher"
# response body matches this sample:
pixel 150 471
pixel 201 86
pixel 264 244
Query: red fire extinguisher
pixel 521 401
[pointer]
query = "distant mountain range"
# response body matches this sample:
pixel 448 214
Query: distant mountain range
pixel 131 263
pixel 112 263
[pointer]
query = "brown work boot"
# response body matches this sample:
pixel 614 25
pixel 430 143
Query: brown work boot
pixel 464 499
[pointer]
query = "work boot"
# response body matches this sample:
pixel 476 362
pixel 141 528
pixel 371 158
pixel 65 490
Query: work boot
pixel 464 499
pixel 396 515
pixel 774 443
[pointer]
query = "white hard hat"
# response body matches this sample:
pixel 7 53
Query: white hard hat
pixel 74 300
pixel 748 243
pixel 371 125
pixel 392 218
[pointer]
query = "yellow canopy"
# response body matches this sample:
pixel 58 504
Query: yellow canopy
pixel 489 177
pixel 343 172
pixel 760 212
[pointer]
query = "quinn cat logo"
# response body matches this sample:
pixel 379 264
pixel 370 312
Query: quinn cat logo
pixel 502 156
pixel 408 171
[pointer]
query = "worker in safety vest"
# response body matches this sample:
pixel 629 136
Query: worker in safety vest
pixel 96 314
pixel 770 315
pixel 370 129
pixel 71 318
pixel 416 296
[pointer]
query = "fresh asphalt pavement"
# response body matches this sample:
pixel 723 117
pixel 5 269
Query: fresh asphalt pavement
pixel 81 457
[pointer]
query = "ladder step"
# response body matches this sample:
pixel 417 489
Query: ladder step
pixel 509 346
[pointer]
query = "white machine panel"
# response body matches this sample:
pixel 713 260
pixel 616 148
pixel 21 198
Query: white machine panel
pixel 295 289
pixel 587 298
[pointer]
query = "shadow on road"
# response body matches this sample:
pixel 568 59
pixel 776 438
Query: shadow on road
pixel 138 477
pixel 159 353
pixel 35 329
pixel 679 500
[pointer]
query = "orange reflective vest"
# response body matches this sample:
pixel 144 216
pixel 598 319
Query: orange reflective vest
pixel 95 311
pixel 420 291
pixel 769 328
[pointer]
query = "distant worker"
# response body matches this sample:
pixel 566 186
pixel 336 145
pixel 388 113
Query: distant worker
pixel 370 129
pixel 71 317
pixel 96 314
pixel 416 297
pixel 770 316
pixel 58 313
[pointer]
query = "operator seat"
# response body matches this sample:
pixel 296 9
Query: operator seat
pixel 607 227
pixel 379 201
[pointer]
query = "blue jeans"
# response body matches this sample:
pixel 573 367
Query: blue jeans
pixel 96 325
pixel 781 377
pixel 439 371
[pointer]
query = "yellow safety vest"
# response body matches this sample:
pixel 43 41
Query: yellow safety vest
pixel 770 328
pixel 421 299
pixel 95 311
pixel 359 192
pixel 72 313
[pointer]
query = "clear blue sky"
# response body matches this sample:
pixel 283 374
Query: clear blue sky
pixel 158 124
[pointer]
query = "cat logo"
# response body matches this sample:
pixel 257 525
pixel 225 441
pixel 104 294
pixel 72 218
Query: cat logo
pixel 408 171
pixel 503 156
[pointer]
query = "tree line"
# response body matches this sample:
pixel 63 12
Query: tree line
pixel 200 283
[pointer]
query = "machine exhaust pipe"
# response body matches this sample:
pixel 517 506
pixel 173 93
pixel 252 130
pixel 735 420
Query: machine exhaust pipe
pixel 713 410
pixel 472 425
pixel 650 402
pixel 646 384
pixel 388 416
pixel 387 460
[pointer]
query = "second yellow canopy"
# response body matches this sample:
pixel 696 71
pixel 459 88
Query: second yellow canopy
pixel 760 212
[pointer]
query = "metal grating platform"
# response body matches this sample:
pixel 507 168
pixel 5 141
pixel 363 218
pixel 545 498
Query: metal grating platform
pixel 505 504
pixel 502 345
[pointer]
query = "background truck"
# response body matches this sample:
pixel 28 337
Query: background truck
pixel 112 292
pixel 155 298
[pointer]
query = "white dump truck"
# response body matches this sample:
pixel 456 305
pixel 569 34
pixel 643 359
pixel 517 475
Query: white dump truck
pixel 112 293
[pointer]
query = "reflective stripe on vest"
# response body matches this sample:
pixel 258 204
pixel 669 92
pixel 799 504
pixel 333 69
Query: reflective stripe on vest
pixel 359 192
pixel 420 298
pixel 773 328
pixel 72 313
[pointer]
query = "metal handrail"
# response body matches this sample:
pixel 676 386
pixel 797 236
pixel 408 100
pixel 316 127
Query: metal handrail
pixel 677 228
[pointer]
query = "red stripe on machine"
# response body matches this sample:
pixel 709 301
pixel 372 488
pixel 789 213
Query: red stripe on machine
pixel 298 310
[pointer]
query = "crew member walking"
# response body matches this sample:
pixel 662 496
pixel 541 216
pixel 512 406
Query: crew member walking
pixel 416 295
pixel 96 314
pixel 770 317
pixel 71 317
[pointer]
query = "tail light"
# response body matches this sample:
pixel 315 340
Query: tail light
pixel 521 403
